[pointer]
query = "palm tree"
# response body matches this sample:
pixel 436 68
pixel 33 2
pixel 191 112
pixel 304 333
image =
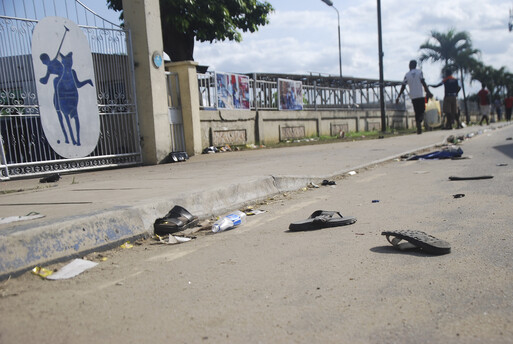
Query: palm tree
pixel 454 50
pixel 484 74
pixel 446 46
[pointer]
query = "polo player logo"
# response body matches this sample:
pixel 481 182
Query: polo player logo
pixel 70 97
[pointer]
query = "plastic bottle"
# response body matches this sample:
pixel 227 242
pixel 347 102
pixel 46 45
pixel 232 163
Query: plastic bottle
pixel 235 219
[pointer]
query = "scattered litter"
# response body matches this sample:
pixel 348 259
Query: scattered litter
pixel 52 178
pixel 458 195
pixel 328 182
pixel 76 267
pixel 470 178
pixel 251 212
pixel 502 164
pixel 509 138
pixel 351 173
pixel 359 233
pixel 226 148
pixel 230 221
pixel 447 153
pixel 408 156
pixel 42 272
pixel 313 186
pixel 452 139
pixel 30 216
pixel 172 239
pixel 210 150
pixel 176 157
pixel 375 201
pixel 127 245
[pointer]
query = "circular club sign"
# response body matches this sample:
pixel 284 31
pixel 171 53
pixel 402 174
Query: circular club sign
pixel 66 87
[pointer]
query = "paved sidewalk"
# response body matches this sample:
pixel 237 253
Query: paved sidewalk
pixel 90 210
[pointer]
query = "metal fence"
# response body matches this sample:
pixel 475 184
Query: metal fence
pixel 175 112
pixel 25 149
pixel 318 92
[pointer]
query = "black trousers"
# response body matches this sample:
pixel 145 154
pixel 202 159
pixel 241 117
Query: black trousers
pixel 419 106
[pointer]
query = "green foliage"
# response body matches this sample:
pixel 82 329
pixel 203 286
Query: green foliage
pixel 455 50
pixel 183 21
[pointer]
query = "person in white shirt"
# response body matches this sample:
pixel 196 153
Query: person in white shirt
pixel 417 85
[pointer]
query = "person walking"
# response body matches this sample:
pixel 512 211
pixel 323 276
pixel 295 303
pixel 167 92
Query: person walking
pixel 417 85
pixel 484 104
pixel 508 106
pixel 497 104
pixel 450 107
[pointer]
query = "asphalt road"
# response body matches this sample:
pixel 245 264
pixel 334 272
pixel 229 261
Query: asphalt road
pixel 260 283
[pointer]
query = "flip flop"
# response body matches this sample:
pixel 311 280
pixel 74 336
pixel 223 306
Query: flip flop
pixel 470 178
pixel 176 220
pixel 322 219
pixel 52 178
pixel 417 239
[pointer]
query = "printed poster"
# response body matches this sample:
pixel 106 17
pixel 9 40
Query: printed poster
pixel 290 94
pixel 232 91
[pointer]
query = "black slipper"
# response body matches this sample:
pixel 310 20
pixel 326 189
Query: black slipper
pixel 417 239
pixel 52 178
pixel 322 219
pixel 176 220
pixel 470 178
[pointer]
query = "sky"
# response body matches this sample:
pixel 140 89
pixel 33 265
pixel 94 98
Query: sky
pixel 302 37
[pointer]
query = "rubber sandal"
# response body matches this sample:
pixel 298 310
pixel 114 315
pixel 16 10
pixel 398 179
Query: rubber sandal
pixel 176 220
pixel 322 219
pixel 417 239
pixel 470 178
pixel 51 178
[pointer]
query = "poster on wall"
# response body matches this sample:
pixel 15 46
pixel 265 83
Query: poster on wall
pixel 290 94
pixel 232 91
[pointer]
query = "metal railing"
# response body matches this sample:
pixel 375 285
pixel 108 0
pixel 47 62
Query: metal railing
pixel 352 94
pixel 24 147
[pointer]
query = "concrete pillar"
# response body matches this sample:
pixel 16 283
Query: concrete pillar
pixel 189 96
pixel 142 17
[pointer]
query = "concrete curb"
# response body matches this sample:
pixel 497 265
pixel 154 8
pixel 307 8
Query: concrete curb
pixel 75 236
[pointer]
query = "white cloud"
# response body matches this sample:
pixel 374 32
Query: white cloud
pixel 305 39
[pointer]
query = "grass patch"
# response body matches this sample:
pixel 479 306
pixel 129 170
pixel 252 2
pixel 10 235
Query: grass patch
pixel 350 136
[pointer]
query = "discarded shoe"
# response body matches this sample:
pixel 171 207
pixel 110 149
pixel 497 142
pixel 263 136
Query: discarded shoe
pixel 322 219
pixel 176 220
pixel 470 178
pixel 52 178
pixel 417 239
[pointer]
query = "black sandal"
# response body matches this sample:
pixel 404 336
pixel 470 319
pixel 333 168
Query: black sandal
pixel 417 239
pixel 176 220
pixel 322 219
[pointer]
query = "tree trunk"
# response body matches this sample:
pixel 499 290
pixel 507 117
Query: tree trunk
pixel 179 46
pixel 467 116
